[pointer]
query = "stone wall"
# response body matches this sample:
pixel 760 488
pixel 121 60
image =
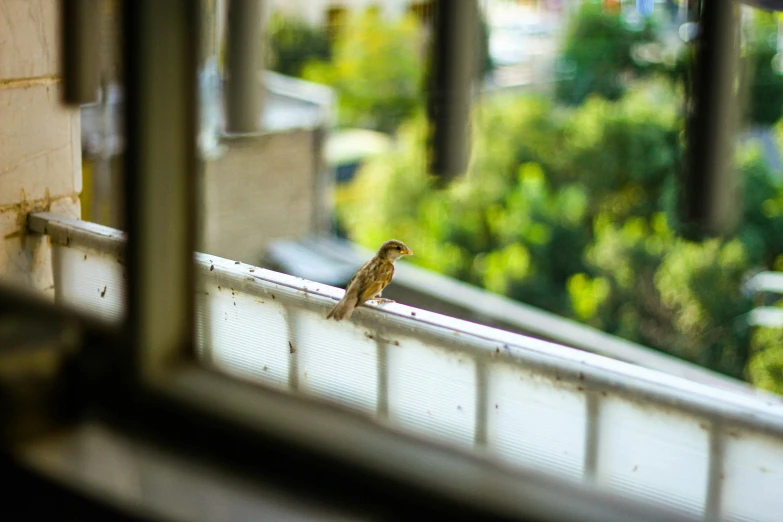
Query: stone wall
pixel 40 154
pixel 263 187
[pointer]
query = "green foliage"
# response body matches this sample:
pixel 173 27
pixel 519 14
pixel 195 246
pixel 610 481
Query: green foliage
pixel 293 43
pixel 699 285
pixel 765 89
pixel 682 297
pixel 598 50
pixel 376 69
pixel 566 209
pixel 765 369
pixel 762 228
pixel 764 221
pixel 570 208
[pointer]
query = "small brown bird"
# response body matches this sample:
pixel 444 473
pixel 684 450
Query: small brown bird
pixel 370 280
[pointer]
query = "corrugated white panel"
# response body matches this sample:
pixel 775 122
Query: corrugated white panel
pixel 203 337
pixel 89 281
pixel 660 456
pixel 336 361
pixel 536 422
pixel 753 478
pixel 245 335
pixel 432 391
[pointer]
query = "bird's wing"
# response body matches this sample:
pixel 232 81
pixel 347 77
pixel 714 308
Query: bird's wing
pixel 348 287
pixel 353 278
pixel 372 280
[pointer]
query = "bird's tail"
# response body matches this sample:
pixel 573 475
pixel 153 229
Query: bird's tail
pixel 343 309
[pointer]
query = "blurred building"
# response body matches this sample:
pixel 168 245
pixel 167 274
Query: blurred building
pixel 269 185
pixel 259 187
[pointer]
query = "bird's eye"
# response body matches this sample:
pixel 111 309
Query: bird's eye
pixel 399 248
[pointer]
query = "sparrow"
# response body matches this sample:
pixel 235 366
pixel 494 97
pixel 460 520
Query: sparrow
pixel 370 280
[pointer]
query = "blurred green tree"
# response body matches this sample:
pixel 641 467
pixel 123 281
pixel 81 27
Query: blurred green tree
pixel 376 69
pixel 566 209
pixel 765 369
pixel 599 51
pixel 570 208
pixel 293 43
pixel 377 66
pixel 764 83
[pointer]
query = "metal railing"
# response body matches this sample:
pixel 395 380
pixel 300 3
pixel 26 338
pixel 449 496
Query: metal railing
pixel 765 288
pixel 527 403
pixel 334 260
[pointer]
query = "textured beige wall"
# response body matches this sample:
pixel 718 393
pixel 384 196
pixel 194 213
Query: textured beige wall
pixel 262 188
pixel 40 155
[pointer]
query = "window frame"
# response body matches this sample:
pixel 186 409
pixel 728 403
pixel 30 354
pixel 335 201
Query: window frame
pixel 144 378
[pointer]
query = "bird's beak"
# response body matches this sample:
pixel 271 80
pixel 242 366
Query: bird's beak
pixel 408 252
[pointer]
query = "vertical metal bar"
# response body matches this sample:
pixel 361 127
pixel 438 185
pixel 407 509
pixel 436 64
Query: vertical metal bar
pixel 209 100
pixel 383 378
pixel 693 8
pixel 293 343
pixel 452 71
pixel 592 435
pixel 713 507
pixel 482 404
pixel 243 85
pixel 59 273
pixel 161 121
pixel 710 198
pixel 204 349
pixel 80 51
